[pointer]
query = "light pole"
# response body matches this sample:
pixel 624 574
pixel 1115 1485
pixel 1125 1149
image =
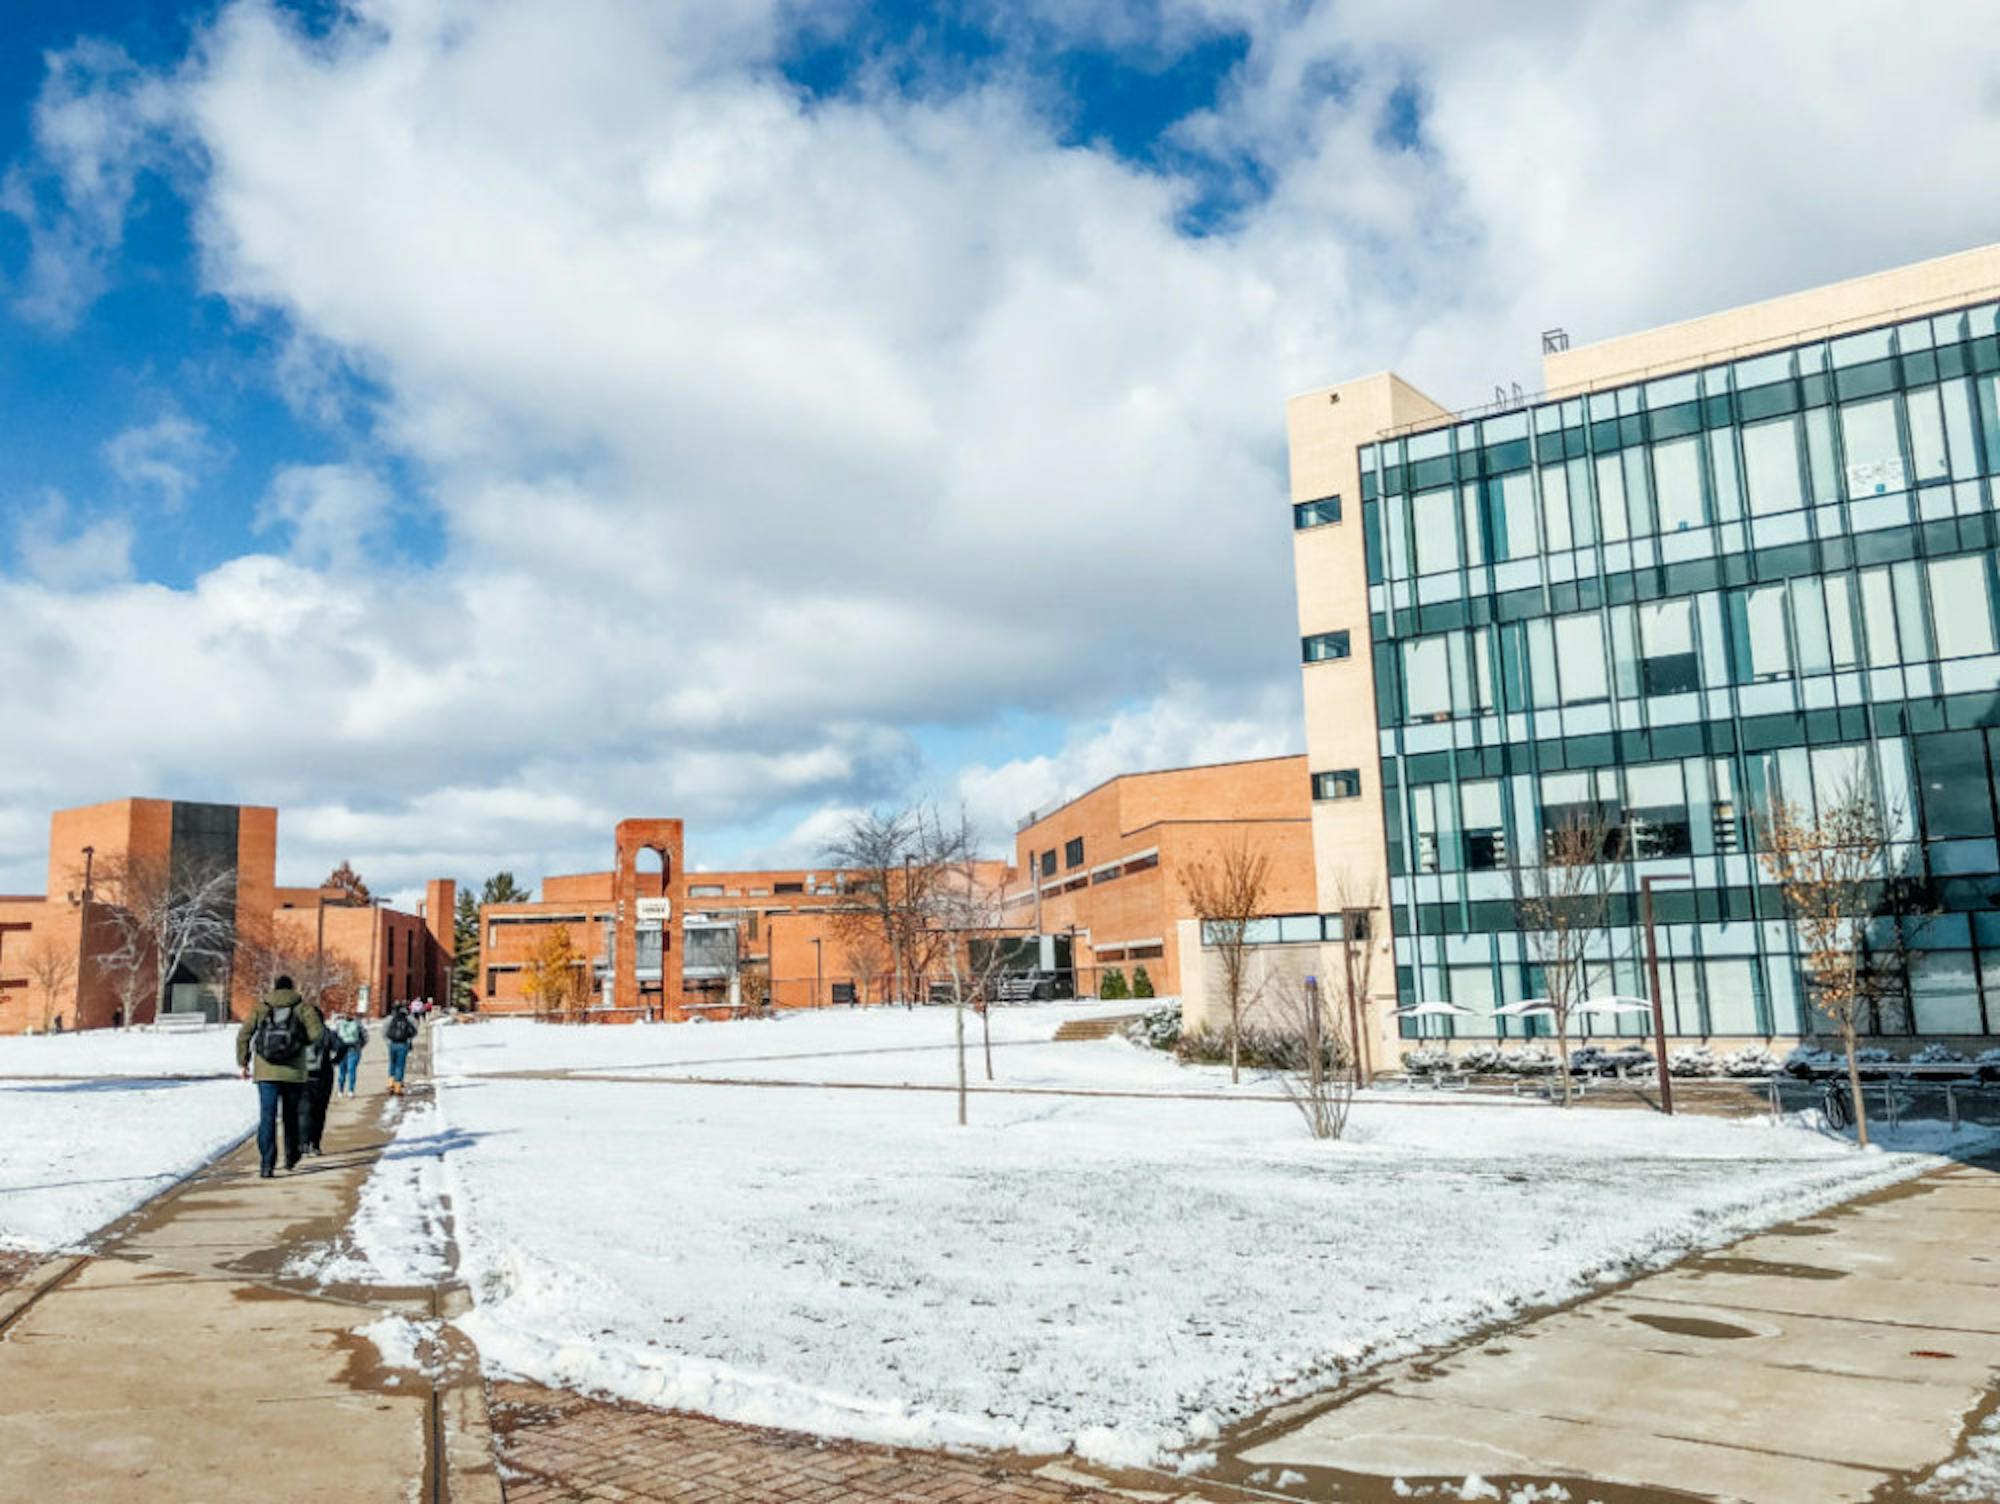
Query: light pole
pixel 819 975
pixel 83 935
pixel 1653 981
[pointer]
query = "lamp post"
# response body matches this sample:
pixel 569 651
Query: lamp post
pixel 83 935
pixel 1653 982
pixel 819 976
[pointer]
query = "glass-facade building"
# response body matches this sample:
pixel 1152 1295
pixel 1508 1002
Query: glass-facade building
pixel 1664 604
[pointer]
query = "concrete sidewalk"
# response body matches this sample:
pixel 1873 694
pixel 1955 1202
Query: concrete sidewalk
pixel 180 1363
pixel 1842 1357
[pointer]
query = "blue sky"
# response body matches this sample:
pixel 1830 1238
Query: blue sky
pixel 464 425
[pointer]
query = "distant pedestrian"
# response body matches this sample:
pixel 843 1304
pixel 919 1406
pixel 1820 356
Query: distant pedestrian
pixel 400 1031
pixel 274 1042
pixel 354 1034
pixel 323 1057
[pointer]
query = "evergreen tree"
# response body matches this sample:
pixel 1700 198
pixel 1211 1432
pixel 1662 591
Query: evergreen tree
pixel 1112 988
pixel 501 888
pixel 465 951
pixel 1142 985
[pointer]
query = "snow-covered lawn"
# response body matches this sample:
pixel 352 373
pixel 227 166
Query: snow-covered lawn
pixel 1112 1275
pixel 121 1052
pixel 111 1128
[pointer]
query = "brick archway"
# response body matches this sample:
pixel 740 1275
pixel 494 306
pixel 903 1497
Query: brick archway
pixel 631 889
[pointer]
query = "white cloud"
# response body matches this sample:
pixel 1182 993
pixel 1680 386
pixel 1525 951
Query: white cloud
pixel 334 512
pixel 168 455
pixel 97 125
pixel 61 556
pixel 758 430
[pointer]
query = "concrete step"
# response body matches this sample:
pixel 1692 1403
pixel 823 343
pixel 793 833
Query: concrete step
pixel 1096 1028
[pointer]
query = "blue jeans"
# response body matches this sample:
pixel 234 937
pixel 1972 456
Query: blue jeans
pixel 399 1057
pixel 276 1099
pixel 349 1069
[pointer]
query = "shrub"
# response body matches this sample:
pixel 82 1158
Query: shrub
pixel 1158 1029
pixel 1751 1060
pixel 1607 1060
pixel 1426 1059
pixel 1481 1059
pixel 1259 1049
pixel 1528 1060
pixel 1142 985
pixel 1939 1054
pixel 1693 1060
pixel 1111 987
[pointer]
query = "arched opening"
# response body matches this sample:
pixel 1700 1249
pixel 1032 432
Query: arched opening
pixel 649 872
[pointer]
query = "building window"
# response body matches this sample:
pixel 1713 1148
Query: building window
pixel 788 887
pixel 1049 863
pixel 705 890
pixel 1073 852
pixel 492 981
pixel 1324 647
pixel 1319 513
pixel 1343 783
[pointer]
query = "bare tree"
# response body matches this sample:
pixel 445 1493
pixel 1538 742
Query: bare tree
pixel 163 916
pixel 1562 904
pixel 865 951
pixel 963 915
pixel 325 978
pixel 871 850
pixel 1829 868
pixel 51 966
pixel 1227 891
pixel 1322 1078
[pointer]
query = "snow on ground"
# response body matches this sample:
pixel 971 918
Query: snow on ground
pixel 75 1154
pixel 398 1234
pixel 121 1052
pixel 1112 1275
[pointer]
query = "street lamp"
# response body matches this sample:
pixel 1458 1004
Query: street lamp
pixel 1653 981
pixel 83 934
pixel 819 975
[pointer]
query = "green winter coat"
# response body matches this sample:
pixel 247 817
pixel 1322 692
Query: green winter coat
pixel 293 1069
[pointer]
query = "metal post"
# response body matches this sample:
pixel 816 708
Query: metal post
pixel 1659 1011
pixel 1951 1103
pixel 818 975
pixel 83 936
pixel 319 951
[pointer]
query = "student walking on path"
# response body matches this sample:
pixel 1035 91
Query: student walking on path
pixel 323 1058
pixel 354 1034
pixel 275 1039
pixel 400 1031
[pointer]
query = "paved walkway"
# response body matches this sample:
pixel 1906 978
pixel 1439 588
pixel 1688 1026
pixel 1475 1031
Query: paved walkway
pixel 180 1362
pixel 1838 1358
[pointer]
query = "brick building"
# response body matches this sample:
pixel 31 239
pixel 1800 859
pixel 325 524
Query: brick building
pixel 100 858
pixel 1106 870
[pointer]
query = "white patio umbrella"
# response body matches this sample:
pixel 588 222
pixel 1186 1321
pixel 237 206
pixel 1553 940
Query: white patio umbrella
pixel 1524 1009
pixel 1434 1010
pixel 1595 1006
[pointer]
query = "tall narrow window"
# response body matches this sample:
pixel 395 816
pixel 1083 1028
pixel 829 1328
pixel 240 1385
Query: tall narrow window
pixel 1677 484
pixel 1771 460
pixel 1667 664
pixel 1437 531
pixel 1873 450
pixel 1427 678
pixel 1580 651
pixel 1962 603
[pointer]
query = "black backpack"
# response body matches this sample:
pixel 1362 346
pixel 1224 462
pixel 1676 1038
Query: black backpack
pixel 402 1028
pixel 282 1035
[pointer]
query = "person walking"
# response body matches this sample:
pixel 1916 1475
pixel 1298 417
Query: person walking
pixel 274 1040
pixel 401 1032
pixel 323 1058
pixel 354 1034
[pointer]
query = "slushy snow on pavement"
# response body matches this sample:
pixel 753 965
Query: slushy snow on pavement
pixel 1118 1277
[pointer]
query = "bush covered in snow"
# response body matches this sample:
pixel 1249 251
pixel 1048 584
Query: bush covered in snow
pixel 1751 1060
pixel 1259 1049
pixel 1811 1060
pixel 1988 1062
pixel 1694 1061
pixel 1528 1060
pixel 1426 1060
pixel 1940 1054
pixel 1609 1060
pixel 1482 1060
pixel 1158 1029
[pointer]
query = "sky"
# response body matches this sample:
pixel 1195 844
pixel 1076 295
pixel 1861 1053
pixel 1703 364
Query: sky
pixel 464 425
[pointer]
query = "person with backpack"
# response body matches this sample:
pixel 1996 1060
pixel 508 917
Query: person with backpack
pixel 323 1057
pixel 354 1034
pixel 400 1031
pixel 275 1040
